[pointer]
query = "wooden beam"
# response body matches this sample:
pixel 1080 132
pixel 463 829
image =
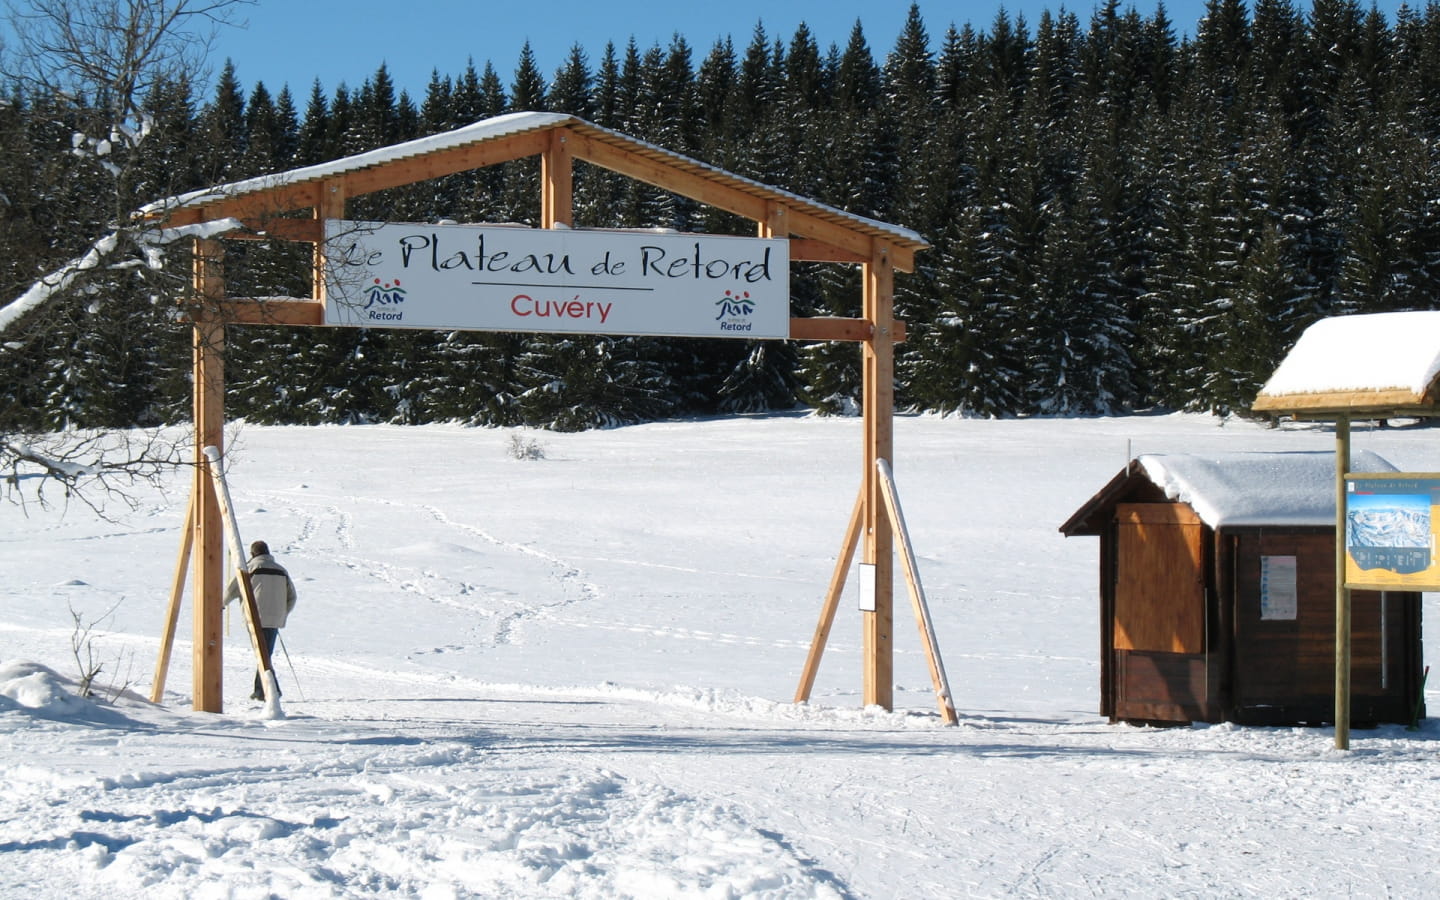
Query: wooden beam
pixel 651 171
pixel 878 373
pixel 807 250
pixel 713 192
pixel 439 163
pixel 830 328
pixel 286 197
pixel 258 205
pixel 776 223
pixel 1350 403
pixel 310 231
pixel 209 401
pixel 331 205
pixel 557 179
pixel 272 311
pixel 836 328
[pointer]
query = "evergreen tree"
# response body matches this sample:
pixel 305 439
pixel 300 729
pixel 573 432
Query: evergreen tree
pixel 312 145
pixel 222 130
pixel 527 91
pixel 570 90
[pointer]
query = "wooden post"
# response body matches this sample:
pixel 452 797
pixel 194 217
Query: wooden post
pixel 330 206
pixel 879 545
pixel 209 396
pixel 172 612
pixel 832 602
pixel 1342 593
pixel 557 173
pixel 777 222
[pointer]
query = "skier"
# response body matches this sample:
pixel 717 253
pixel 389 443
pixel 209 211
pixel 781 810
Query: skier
pixel 274 598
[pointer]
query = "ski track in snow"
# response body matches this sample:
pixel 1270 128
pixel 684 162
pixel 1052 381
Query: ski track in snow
pixel 434 821
pixel 330 535
pixel 524 792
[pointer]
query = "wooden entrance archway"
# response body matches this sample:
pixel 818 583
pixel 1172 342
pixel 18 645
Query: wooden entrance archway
pixel 265 208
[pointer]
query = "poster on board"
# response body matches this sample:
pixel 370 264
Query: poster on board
pixel 1390 528
pixel 512 278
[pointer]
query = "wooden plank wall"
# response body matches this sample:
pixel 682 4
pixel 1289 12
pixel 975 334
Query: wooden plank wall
pixel 1284 670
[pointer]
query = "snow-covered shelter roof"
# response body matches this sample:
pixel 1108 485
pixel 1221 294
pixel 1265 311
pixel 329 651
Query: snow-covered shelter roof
pixel 1376 365
pixel 513 136
pixel 1232 490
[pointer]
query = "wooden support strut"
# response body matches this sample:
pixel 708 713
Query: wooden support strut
pixel 242 577
pixel 832 602
pixel 941 683
pixel 172 613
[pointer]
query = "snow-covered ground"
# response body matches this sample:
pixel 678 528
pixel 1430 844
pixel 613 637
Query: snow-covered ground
pixel 571 677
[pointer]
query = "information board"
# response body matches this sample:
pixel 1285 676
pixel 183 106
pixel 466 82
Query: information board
pixel 504 278
pixel 1390 522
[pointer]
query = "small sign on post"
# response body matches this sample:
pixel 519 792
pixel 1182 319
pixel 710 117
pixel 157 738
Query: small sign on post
pixel 508 278
pixel 866 581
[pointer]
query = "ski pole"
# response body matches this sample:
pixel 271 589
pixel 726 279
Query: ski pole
pixel 286 650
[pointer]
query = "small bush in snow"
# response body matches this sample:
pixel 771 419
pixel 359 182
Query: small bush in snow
pixel 525 448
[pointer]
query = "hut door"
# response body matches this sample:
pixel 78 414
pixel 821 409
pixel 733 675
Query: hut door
pixel 1160 579
pixel 1159 620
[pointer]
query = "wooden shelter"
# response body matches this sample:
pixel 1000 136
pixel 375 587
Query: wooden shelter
pixel 296 205
pixel 1217 589
pixel 1379 366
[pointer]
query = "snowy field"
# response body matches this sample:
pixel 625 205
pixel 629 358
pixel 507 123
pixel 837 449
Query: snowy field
pixel 571 677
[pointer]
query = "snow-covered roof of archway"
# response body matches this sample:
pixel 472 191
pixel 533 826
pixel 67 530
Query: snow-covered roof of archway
pixel 451 152
pixel 1378 364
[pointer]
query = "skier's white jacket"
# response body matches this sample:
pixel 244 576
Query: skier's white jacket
pixel 274 591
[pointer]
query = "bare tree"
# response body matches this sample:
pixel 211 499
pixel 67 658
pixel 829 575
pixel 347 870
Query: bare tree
pixel 112 51
pixel 98 61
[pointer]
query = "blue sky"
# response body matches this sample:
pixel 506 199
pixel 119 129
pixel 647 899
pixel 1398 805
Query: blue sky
pixel 296 41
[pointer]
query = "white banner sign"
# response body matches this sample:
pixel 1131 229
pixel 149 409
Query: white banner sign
pixel 498 278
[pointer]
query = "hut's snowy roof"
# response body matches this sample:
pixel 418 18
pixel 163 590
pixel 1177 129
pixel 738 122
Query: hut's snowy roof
pixel 1229 490
pixel 1380 363
pixel 1247 489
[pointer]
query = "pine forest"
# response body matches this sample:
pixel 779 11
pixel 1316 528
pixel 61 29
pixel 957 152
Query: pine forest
pixel 1120 219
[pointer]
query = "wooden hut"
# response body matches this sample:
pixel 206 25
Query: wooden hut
pixel 1217 590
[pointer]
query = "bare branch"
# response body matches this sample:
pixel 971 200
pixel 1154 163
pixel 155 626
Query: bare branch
pixel 111 51
pixel 98 60
pixel 93 468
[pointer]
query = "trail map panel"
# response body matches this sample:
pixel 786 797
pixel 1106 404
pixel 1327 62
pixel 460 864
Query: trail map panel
pixel 512 278
pixel 1391 524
